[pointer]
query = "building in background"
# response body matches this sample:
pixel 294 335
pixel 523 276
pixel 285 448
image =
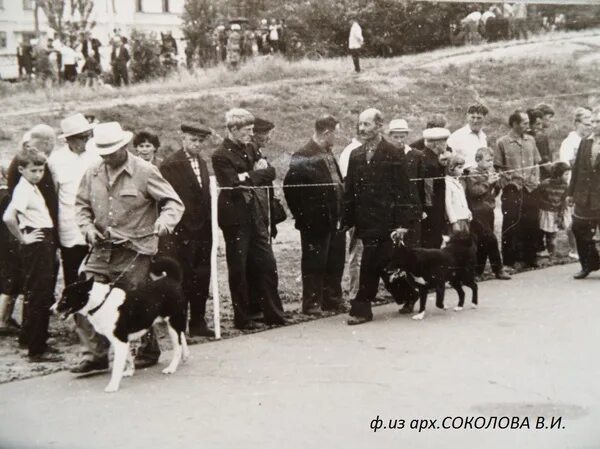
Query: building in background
pixel 17 23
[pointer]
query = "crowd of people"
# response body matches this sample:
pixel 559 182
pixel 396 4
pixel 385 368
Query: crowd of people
pixel 107 205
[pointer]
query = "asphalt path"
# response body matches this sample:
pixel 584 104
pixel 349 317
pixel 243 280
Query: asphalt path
pixel 530 350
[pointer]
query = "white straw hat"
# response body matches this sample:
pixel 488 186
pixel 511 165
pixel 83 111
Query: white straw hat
pixel 74 124
pixel 436 134
pixel 398 125
pixel 108 138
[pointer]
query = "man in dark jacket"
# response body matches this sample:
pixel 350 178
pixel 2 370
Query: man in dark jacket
pixel 584 193
pixel 318 212
pixel 240 173
pixel 119 59
pixel 378 199
pixel 191 242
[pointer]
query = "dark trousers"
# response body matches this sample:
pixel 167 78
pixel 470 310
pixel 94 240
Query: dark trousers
pixel 482 227
pixel 249 254
pixel 586 246
pixel 519 227
pixel 355 53
pixel 192 251
pixel 432 228
pixel 323 257
pixel 120 74
pixel 71 260
pixel 39 265
pixel 375 258
pixel 71 73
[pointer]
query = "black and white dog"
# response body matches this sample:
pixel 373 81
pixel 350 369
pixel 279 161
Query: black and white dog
pixel 425 269
pixel 122 316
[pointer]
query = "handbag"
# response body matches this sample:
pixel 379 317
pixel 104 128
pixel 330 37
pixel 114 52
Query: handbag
pixel 278 213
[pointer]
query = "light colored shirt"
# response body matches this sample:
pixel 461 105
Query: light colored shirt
pixel 345 156
pixel 193 160
pixel 457 207
pixel 465 143
pixel 126 204
pixel 30 205
pixel 486 16
pixel 568 148
pixel 67 170
pixel 518 156
pixel 475 16
pixel 520 10
pixel 69 55
pixel 355 40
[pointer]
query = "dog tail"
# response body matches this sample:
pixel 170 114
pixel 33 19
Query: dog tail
pixel 168 266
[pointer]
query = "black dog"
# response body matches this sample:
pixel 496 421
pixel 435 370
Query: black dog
pixel 425 269
pixel 122 316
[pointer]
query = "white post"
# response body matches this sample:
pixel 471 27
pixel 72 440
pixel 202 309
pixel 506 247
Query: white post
pixel 214 193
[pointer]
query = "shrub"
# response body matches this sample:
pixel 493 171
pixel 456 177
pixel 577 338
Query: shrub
pixel 145 56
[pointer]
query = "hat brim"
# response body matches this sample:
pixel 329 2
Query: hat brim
pixel 81 131
pixel 397 130
pixel 106 150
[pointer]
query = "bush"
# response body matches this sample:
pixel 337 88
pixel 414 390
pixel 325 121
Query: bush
pixel 145 57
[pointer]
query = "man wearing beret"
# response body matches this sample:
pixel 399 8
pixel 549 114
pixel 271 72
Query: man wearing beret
pixel 242 173
pixel 318 212
pixel 378 199
pixel 433 186
pixel 191 242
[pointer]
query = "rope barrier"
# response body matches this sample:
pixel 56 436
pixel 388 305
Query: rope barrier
pixel 332 184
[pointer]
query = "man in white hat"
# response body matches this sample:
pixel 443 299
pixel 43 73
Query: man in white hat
pixel 433 186
pixel 68 164
pixel 123 206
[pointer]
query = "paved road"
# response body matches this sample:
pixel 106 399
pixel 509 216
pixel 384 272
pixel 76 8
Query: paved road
pixel 530 350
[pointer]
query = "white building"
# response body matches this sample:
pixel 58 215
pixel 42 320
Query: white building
pixel 17 22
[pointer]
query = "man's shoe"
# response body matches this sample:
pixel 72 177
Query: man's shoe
pixel 6 331
pixel 503 275
pixel 312 310
pixel 335 307
pixel 90 367
pixel 43 358
pixel 582 274
pixel 355 320
pixel 249 326
pixel 201 331
pixel 573 255
pixel 142 362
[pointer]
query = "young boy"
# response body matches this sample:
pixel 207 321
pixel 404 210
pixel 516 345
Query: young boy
pixel 481 189
pixel 28 219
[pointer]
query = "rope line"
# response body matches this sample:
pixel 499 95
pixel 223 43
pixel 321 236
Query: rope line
pixel 330 184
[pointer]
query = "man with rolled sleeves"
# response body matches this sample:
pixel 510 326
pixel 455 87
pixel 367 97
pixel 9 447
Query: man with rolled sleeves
pixel 318 212
pixel 191 242
pixel 123 206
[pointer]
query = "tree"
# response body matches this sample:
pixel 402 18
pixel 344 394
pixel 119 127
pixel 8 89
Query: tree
pixel 199 17
pixel 78 19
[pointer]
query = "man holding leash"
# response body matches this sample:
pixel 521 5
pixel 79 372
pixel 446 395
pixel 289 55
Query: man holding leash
pixel 123 206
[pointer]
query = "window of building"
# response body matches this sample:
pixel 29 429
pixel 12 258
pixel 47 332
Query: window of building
pixel 165 5
pixel 28 4
pixel 139 5
pixel 2 37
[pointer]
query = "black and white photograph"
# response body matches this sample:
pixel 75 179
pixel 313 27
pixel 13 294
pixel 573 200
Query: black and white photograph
pixel 292 224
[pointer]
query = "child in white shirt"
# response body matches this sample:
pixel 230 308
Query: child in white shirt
pixel 457 209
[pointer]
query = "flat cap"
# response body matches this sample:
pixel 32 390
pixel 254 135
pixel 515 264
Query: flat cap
pixel 436 134
pixel 399 125
pixel 198 130
pixel 262 126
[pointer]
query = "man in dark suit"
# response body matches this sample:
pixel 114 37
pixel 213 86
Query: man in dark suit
pixel 241 173
pixel 378 199
pixel 584 193
pixel 318 212
pixel 119 59
pixel 191 242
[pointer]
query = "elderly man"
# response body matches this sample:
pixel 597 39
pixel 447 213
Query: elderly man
pixel 467 140
pixel 378 199
pixel 433 187
pixel 436 120
pixel 191 242
pixel 123 206
pixel 517 159
pixel 68 164
pixel 584 194
pixel 241 173
pixel 318 213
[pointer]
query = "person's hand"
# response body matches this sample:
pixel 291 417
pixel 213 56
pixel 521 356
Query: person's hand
pixel 33 237
pixel 261 164
pixel 570 201
pixel 455 227
pixel 493 177
pixel 424 215
pixel 93 236
pixel 243 176
pixel 160 229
